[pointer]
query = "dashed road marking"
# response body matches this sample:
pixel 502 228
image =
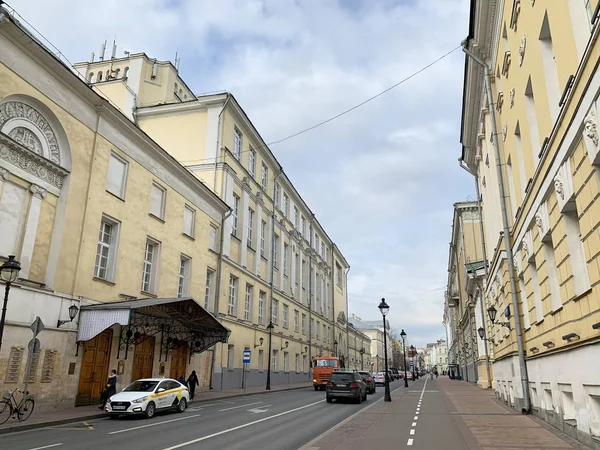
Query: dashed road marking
pixel 240 406
pixel 410 442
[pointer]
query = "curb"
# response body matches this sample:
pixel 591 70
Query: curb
pixel 100 415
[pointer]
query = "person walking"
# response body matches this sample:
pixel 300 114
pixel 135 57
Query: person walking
pixel 110 389
pixel 192 382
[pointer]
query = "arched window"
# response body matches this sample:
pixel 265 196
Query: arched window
pixel 91 77
pixel 185 97
pixel 175 88
pixel 108 75
pixel 125 71
pixel 180 92
pixel 117 73
pixel 99 76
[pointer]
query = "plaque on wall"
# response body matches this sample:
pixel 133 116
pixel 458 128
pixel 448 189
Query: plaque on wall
pixel 35 362
pixel 121 367
pixel 71 368
pixel 14 364
pixel 48 366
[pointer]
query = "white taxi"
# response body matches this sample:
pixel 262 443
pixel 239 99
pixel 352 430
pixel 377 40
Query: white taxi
pixel 147 396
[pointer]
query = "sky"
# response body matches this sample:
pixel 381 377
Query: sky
pixel 382 179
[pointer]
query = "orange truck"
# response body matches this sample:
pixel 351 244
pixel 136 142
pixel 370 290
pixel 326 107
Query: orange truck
pixel 323 367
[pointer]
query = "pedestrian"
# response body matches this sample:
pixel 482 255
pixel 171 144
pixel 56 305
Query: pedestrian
pixel 192 382
pixel 110 389
pixel 182 381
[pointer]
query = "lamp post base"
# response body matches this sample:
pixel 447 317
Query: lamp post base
pixel 387 396
pixel 405 381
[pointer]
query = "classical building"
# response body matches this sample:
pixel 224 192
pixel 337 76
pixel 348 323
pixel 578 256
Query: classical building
pixel 276 263
pixel 106 224
pixel 374 331
pixel 532 140
pixel 359 354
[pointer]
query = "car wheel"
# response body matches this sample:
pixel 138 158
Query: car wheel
pixel 316 388
pixel 182 405
pixel 374 390
pixel 359 398
pixel 364 399
pixel 150 410
pixel 329 399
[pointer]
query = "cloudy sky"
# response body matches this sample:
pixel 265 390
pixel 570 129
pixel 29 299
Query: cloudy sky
pixel 382 179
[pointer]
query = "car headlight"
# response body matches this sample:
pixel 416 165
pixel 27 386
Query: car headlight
pixel 141 400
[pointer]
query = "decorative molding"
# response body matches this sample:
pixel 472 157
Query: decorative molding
pixel 559 188
pixel 511 98
pixel 517 264
pixel 542 220
pixel 4 174
pixel 506 63
pixel 504 131
pixel 527 245
pixel 499 101
pixel 522 50
pixel 38 191
pixel 29 161
pixel 563 185
pixel 591 127
pixel 516 9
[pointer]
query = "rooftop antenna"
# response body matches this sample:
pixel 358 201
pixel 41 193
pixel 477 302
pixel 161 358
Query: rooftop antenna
pixel 114 50
pixel 92 57
pixel 176 60
pixel 102 51
pixel 126 53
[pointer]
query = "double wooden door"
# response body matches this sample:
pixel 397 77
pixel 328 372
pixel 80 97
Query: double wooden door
pixel 143 360
pixel 179 356
pixel 94 368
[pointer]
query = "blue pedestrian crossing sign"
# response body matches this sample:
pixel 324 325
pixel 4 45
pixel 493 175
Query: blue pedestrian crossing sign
pixel 246 357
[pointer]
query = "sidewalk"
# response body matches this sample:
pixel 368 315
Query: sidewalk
pixel 83 413
pixel 444 414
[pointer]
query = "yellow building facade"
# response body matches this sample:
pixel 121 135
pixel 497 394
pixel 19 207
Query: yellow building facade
pixel 276 263
pixel 544 84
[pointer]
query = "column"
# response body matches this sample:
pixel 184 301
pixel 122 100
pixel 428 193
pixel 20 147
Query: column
pixel 33 217
pixel 258 225
pixel 244 213
pixel 3 176
pixel 227 228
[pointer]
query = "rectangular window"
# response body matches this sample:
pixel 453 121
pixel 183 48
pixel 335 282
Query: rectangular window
pixel 183 284
pixel 317 240
pixel 189 220
pixel 312 328
pixel 264 176
pixel 534 134
pixel 252 162
pixel 117 176
pixel 237 144
pixel 275 360
pixel 157 201
pixel 304 324
pixel 230 356
pixel 303 223
pixel 550 69
pixel 212 238
pixel 297 274
pixel 511 187
pixel 261 360
pixel 275 315
pixel 577 258
pixel 304 363
pixel 248 302
pixel 296 320
pixel 286 361
pixel 297 363
pixel 250 226
pixel 263 236
pixel 537 297
pixel 208 304
pixel 318 330
pixel 296 218
pixel 286 314
pixel 232 300
pixel 107 249
pixel 275 251
pixel 322 250
pixel 525 303
pixel 235 214
pixel 262 303
pixel 338 272
pixel 286 251
pixel 286 205
pixel 552 273
pixel 304 274
pixel 329 335
pixel 276 194
pixel 151 254
pixel 324 333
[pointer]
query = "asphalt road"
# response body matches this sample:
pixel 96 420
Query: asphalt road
pixel 278 421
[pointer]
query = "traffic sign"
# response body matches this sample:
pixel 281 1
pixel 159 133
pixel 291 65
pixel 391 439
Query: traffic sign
pixel 34 345
pixel 37 326
pixel 246 357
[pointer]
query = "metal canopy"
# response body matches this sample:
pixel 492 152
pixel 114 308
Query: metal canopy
pixel 178 321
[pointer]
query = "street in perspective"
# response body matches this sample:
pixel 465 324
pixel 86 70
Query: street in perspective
pixel 343 224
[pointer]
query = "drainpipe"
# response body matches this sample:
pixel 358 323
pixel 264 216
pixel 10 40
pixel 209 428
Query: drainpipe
pixel 218 289
pixel 333 319
pixel 454 250
pixel 310 261
pixel 509 254
pixel 219 140
pixel 485 267
pixel 347 332
pixel 274 218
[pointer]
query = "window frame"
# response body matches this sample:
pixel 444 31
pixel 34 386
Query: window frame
pixel 123 192
pixel 183 281
pixel 238 143
pixel 208 290
pixel 252 162
pixel 235 215
pixel 111 260
pixel 285 319
pixel 262 304
pixel 250 227
pixel 296 321
pixel 164 201
pixel 248 297
pixel 264 177
pixel 263 238
pixel 193 224
pixel 275 313
pixel 152 282
pixel 232 295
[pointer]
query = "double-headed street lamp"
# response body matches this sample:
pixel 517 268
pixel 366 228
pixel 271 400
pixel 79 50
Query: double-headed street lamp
pixel 403 336
pixel 9 272
pixel 384 308
pixel 270 330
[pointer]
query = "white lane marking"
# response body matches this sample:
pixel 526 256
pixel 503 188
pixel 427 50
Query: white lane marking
pixel 241 406
pixel 47 446
pixel 412 432
pixel 224 401
pixel 200 405
pixel 414 424
pixel 258 409
pixel 154 424
pixel 204 438
pixel 417 413
pixel 416 417
pixel 410 442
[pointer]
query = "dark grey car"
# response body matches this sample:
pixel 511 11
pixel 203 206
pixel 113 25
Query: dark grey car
pixel 346 385
pixel 367 377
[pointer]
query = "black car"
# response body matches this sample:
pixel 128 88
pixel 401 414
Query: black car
pixel 346 384
pixel 367 377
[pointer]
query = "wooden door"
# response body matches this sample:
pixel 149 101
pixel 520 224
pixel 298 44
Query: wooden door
pixel 179 357
pixel 143 359
pixel 94 368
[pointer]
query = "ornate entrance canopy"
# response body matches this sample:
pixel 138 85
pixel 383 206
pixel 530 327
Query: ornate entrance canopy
pixel 176 320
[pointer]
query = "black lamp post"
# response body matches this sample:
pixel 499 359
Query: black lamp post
pixel 73 310
pixel 270 330
pixel 362 354
pixel 335 348
pixel 403 336
pixel 492 313
pixel 384 308
pixel 412 358
pixel 9 272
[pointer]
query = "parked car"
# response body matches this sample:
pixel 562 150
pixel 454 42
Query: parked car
pixel 369 381
pixel 395 373
pixel 147 396
pixel 346 384
pixel 379 378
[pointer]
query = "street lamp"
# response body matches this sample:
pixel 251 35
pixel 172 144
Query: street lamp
pixel 412 358
pixel 362 354
pixel 9 272
pixel 260 340
pixel 481 332
pixel 73 310
pixel 270 328
pixel 384 308
pixel 492 313
pixel 335 347
pixel 403 336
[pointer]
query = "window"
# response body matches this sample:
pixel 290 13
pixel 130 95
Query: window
pixel 297 363
pixel 232 302
pixel 275 360
pixel 91 77
pixel 157 201
pixel 286 316
pixel 532 122
pixel 317 242
pixel 261 360
pixel 312 327
pixel 106 250
pixel 304 324
pixel 304 274
pixel 184 277
pixel 286 361
pixel 262 302
pixel 125 72
pixel 328 335
pixel 208 290
pixel 263 235
pixel 296 218
pixel 189 220
pixel 304 363
pixel 303 223
pixel 296 320
pixel 230 356
pixel 252 162
pixel 250 227
pixel 338 272
pixel 318 330
pixel 275 251
pixel 237 144
pixel 276 194
pixel 577 258
pixel 234 215
pixel 297 268
pixel 550 69
pixel 264 176
pixel 286 204
pixel 286 251
pixel 324 333
pixel 248 302
pixel 275 315
pixel 212 238
pixel 99 76
pixel 150 266
pixel 117 176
